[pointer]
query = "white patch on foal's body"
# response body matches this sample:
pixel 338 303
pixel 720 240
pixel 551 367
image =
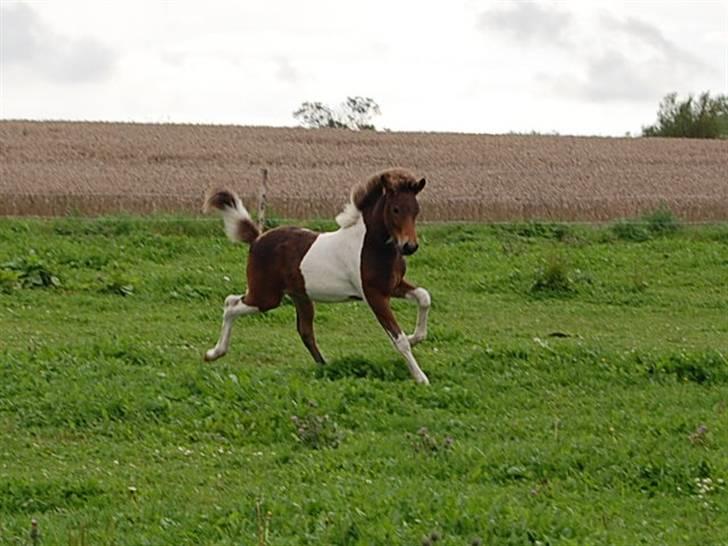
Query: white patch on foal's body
pixel 331 268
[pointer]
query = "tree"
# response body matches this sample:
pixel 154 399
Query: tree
pixel 704 117
pixel 359 111
pixel 355 114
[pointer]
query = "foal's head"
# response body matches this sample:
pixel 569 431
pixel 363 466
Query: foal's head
pixel 400 208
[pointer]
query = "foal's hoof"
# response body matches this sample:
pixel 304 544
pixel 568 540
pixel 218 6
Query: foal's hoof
pixel 212 355
pixel 414 339
pixel 422 380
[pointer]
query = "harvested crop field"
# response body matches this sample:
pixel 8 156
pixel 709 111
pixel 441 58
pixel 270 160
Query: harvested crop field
pixel 57 168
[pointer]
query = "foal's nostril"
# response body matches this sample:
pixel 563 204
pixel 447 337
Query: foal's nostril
pixel 409 248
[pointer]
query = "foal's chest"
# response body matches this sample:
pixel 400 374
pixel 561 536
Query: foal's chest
pixel 331 268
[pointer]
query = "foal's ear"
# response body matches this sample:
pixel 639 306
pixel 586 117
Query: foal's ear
pixel 419 186
pixel 387 183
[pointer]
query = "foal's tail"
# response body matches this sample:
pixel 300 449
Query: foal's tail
pixel 239 225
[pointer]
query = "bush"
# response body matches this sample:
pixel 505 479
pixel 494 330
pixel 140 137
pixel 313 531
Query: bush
pixel 704 117
pixel 661 221
pixel 652 224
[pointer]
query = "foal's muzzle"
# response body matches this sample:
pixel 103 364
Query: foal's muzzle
pixel 409 248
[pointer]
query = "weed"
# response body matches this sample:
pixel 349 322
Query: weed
pixel 428 444
pixel 638 283
pixel 432 538
pixel 538 230
pixel 704 368
pixel 9 280
pixel 118 284
pixel 704 490
pixel 316 431
pixel 31 273
pixel 699 436
pixel 42 496
pixel 553 278
pixel 34 532
pixel 272 221
pixel 630 231
pixel 262 518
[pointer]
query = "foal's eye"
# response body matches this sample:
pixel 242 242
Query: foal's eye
pixel 395 210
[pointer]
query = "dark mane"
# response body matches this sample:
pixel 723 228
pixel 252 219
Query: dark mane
pixel 366 194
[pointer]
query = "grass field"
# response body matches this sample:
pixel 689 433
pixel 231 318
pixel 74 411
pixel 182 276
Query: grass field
pixel 579 393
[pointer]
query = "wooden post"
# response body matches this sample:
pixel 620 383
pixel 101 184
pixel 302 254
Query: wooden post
pixel 262 199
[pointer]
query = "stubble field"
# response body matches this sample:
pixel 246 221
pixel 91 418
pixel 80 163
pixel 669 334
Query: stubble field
pixel 96 168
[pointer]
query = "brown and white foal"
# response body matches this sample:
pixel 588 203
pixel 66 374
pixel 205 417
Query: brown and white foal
pixel 364 259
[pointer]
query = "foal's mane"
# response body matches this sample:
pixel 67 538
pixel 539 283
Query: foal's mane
pixel 365 194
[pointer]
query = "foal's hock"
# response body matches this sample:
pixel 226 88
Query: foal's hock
pixel 362 260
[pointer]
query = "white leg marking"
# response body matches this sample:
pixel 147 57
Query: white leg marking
pixel 234 307
pixel 422 297
pixel 404 347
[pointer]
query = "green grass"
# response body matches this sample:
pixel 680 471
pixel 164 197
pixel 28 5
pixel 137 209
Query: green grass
pixel 579 393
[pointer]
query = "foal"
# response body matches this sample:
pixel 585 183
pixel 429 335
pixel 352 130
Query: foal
pixel 364 259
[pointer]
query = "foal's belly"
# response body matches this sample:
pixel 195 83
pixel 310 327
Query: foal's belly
pixel 331 268
pixel 332 290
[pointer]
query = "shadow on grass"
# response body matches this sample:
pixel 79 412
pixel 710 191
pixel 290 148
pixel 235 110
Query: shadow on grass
pixel 360 367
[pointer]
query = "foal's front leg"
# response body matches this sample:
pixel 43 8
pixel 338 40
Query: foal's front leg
pixel 422 297
pixel 383 312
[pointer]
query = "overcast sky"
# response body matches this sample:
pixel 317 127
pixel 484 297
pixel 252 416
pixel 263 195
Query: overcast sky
pixel 573 67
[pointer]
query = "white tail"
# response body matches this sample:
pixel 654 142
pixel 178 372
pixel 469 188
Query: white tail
pixel 239 226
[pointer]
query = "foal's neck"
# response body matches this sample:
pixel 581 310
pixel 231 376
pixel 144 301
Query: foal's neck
pixel 377 236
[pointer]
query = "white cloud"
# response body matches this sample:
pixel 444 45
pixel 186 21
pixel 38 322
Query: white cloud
pixel 634 62
pixel 528 22
pixel 28 44
pixel 600 58
pixel 286 72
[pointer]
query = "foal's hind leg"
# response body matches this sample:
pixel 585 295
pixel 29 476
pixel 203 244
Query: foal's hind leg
pixel 304 322
pixel 235 306
pixel 423 300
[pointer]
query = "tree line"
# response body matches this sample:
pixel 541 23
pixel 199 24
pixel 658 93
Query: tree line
pixel 701 117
